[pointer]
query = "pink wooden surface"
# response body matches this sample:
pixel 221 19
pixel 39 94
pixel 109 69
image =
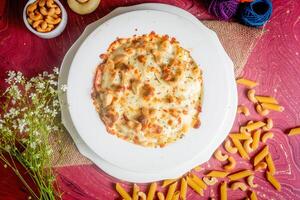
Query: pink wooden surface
pixel 275 63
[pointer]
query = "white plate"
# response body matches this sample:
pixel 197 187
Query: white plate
pixel 218 104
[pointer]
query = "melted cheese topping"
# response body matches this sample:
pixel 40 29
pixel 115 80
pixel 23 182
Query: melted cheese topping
pixel 148 90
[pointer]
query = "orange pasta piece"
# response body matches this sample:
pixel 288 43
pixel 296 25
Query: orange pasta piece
pixel 223 191
pixel 255 125
pixel 271 106
pixel 273 181
pixel 183 189
pixel 295 131
pixel 266 99
pixel 171 191
pixel 217 174
pixel 168 182
pixel 152 191
pixel 240 136
pixel 135 192
pixel 122 192
pixel 256 139
pixel 199 181
pixel 270 164
pixel 239 175
pixel 194 186
pixel 253 196
pixel 246 82
pixel 240 148
pixel 261 155
pixel 176 195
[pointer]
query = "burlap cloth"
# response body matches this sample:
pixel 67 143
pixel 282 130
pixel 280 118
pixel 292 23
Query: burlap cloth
pixel 237 40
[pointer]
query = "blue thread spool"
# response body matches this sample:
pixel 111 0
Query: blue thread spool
pixel 255 13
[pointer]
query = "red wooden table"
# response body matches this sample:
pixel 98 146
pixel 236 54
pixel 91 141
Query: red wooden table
pixel 274 63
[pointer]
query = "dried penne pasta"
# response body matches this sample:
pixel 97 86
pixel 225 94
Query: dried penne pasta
pixel 270 106
pixel 135 192
pixel 228 147
pixel 240 148
pixel 253 196
pixel 261 155
pixel 176 195
pixel 295 131
pixel 260 166
pixel 194 186
pixel 255 125
pixel 266 136
pixel 243 109
pixel 238 185
pixel 199 181
pixel 261 111
pixel 239 175
pixel 256 139
pixel 152 191
pixel 217 174
pixel 231 164
pixel 160 196
pixel 168 182
pixel 273 181
pixel 266 99
pixel 247 145
pixel 250 182
pixel 210 180
pixel 270 164
pixel 246 82
pixel 240 136
pixel 251 96
pixel 183 189
pixel 223 191
pixel 122 192
pixel 219 156
pixel 171 191
pixel 269 125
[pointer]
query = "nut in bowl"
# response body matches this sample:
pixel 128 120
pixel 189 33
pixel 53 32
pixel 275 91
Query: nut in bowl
pixel 45 18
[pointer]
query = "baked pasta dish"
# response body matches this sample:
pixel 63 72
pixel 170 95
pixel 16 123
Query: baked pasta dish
pixel 147 90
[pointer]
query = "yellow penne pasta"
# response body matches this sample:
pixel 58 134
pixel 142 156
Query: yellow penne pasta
pixel 273 181
pixel 270 164
pixel 261 111
pixel 246 82
pixel 176 195
pixel 240 136
pixel 270 106
pixel 295 131
pixel 239 175
pixel 266 99
pixel 217 174
pixel 194 186
pixel 240 148
pixel 223 191
pixel 199 181
pixel 255 125
pixel 122 192
pixel 253 196
pixel 171 191
pixel 168 182
pixel 183 189
pixel 152 191
pixel 261 155
pixel 135 192
pixel 260 166
pixel 256 139
pixel 266 136
pixel 160 196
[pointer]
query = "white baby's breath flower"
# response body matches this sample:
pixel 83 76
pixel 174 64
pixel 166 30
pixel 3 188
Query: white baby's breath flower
pixel 33 145
pixel 13 112
pixel 28 85
pixel 55 128
pixel 11 75
pixel 40 85
pixel 36 133
pixel 64 87
pixel 47 109
pixel 7 148
pixel 32 96
pixel 55 70
pixel 45 73
pixel 19 78
pixel 22 123
pixel 52 82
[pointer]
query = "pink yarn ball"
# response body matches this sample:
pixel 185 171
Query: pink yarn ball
pixel 223 9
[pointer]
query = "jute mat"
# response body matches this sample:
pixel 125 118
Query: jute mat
pixel 237 40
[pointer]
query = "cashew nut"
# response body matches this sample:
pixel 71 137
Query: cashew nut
pixel 85 7
pixel 51 4
pixel 243 129
pixel 57 10
pixel 250 182
pixel 266 136
pixel 31 7
pixel 39 29
pixel 42 3
pixel 37 23
pixel 231 164
pixel 142 196
pixel 30 21
pixel 247 146
pixel 238 185
pixel 269 125
pixel 44 25
pixel 210 180
pixel 251 95
pixel 46 12
pixel 261 166
pixel 229 147
pixel 219 156
pixel 35 16
pixel 51 20
pixel 261 111
pixel 244 110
